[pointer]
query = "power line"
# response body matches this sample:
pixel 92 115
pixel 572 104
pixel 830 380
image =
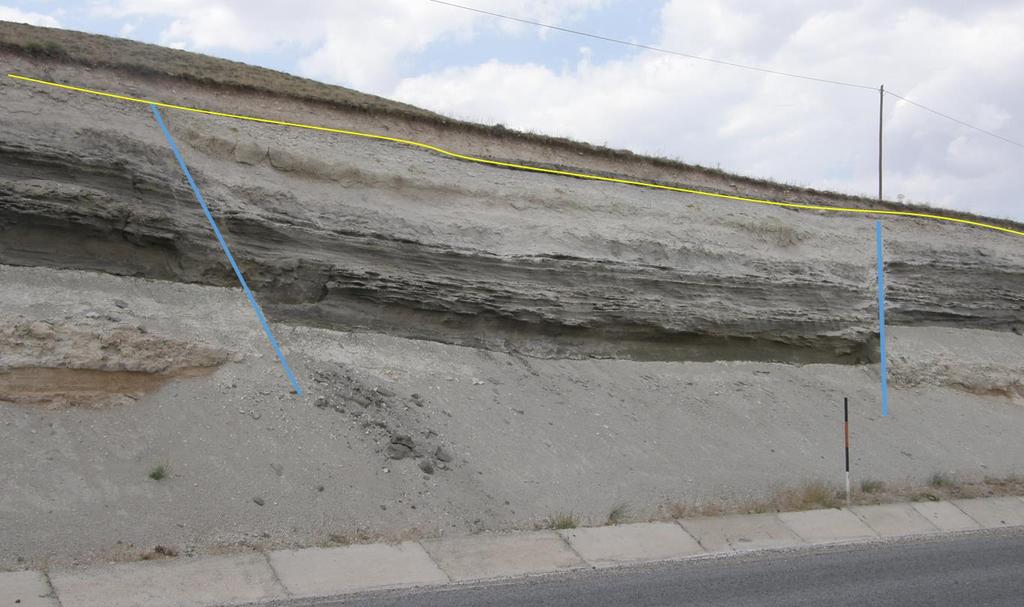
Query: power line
pixel 956 120
pixel 520 167
pixel 753 68
pixel 656 49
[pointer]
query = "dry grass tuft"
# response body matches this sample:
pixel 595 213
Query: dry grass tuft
pixel 809 496
pixel 815 495
pixel 563 520
pixel 618 514
pixel 159 552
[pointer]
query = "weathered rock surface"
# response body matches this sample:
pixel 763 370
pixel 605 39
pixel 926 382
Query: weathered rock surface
pixel 100 345
pixel 979 362
pixel 527 437
pixel 93 361
pixel 346 233
pixel 394 242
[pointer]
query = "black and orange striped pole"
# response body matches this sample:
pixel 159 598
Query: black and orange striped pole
pixel 846 433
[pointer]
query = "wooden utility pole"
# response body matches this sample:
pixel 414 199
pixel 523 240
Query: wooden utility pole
pixel 881 103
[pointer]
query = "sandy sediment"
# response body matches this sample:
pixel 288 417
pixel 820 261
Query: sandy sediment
pixel 479 348
pixel 398 438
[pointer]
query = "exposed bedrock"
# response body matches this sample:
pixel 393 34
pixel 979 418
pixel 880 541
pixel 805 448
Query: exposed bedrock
pixel 346 233
pixel 93 361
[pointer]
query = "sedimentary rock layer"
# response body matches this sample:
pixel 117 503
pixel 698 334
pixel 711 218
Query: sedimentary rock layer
pixel 348 233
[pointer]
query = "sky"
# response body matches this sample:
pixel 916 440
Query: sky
pixel 965 59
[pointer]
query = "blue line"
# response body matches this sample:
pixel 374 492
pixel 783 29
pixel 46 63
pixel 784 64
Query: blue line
pixel 227 251
pixel 881 317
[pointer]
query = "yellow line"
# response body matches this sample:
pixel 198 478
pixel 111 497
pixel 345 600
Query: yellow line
pixel 522 167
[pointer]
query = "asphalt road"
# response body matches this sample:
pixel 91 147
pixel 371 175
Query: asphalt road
pixel 975 570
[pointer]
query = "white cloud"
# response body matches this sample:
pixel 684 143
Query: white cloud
pixel 966 64
pixel 19 16
pixel 963 58
pixel 354 43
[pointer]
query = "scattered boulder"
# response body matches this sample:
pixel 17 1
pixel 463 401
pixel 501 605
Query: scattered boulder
pixel 282 160
pixel 403 439
pixel 40 330
pixel 401 446
pixel 426 466
pixel 388 418
pixel 442 454
pixel 323 378
pixel 250 152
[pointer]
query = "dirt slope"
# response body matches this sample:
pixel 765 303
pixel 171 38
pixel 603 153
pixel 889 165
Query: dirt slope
pixel 479 348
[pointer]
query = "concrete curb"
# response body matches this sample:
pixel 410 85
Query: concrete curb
pixel 488 556
pixel 26 589
pixel 321 572
pixel 827 526
pixel 330 571
pixel 214 580
pixel 619 544
pixel 740 532
pixel 994 512
pixel 894 520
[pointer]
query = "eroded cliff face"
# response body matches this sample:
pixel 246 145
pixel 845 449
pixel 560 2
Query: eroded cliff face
pixel 346 233
pixel 152 355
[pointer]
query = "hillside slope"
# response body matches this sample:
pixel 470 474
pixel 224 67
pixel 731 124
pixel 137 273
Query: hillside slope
pixel 348 233
pixel 479 348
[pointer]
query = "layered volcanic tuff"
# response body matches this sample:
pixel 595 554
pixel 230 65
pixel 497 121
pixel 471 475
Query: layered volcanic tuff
pixel 629 345
pixel 345 233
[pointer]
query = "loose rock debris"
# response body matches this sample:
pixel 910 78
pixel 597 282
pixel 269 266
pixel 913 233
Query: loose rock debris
pixel 400 425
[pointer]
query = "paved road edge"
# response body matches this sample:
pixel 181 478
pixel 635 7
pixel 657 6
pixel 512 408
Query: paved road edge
pixel 253 578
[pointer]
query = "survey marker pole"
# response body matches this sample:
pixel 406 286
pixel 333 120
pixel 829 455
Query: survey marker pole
pixel 846 441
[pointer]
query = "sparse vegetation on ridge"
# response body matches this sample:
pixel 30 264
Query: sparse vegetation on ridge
pixel 153 61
